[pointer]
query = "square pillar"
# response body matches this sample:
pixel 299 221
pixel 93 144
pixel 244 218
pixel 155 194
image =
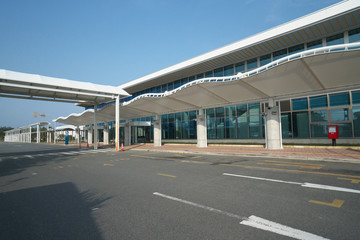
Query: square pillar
pixel 77 135
pixel 90 132
pixel 127 133
pixel 106 133
pixel 157 131
pixel 273 136
pixel 95 129
pixel 201 129
pixel 38 133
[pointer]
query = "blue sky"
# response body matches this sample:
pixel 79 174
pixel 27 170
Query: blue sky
pixel 112 42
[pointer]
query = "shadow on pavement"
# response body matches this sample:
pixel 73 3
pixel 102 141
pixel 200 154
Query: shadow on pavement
pixel 56 211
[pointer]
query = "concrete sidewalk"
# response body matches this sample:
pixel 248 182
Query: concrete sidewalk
pixel 338 154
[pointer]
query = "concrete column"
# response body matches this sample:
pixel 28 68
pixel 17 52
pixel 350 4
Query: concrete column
pixel 157 131
pixel 30 134
pixel 77 134
pixel 106 133
pixel 117 122
pixel 127 133
pixel 90 130
pixel 201 129
pixel 54 132
pixel 273 136
pixel 38 133
pixel 95 129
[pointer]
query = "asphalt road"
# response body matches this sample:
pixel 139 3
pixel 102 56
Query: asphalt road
pixel 57 192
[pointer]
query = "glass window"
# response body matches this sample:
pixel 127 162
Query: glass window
pixel 210 113
pixel 334 40
pixel 220 128
pixel 265 59
pixel 164 87
pixel 300 124
pixel 251 64
pixel 230 111
pixel 192 115
pixel 241 110
pixel 319 116
pixel 219 72
pixel 354 35
pixel 192 78
pixel 279 54
pixel 230 127
pixel 255 126
pixel 356 97
pixel 199 76
pixel 339 99
pixel 319 130
pixel 314 44
pixel 240 67
pixel 220 112
pixel 340 115
pixel 209 74
pixel 171 130
pixel 177 84
pixel 185 130
pixel 242 127
pixel 210 124
pixel 296 49
pixel 356 120
pixel 178 126
pixel 185 116
pixel 229 70
pixel 286 125
pixel 299 104
pixel 318 102
pixel 170 86
pixel 184 81
pixel 345 130
pixel 285 106
pixel 254 108
pixel 158 89
pixel 165 130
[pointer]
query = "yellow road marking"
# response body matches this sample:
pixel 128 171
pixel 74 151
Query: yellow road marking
pixel 196 157
pixel 350 179
pixel 311 164
pixel 336 203
pixel 108 164
pixel 166 175
pixel 291 165
pixel 61 167
pixel 247 166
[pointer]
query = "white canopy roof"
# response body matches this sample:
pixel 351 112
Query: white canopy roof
pixel 322 70
pixel 37 87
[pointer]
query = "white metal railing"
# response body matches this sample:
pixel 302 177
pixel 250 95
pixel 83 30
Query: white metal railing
pixel 311 52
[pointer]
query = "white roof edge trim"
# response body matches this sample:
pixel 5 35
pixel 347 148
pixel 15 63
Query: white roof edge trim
pixel 60 82
pixel 301 22
pixel 74 115
pixel 317 51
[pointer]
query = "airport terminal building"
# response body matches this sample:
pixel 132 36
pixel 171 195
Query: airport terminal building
pixel 283 85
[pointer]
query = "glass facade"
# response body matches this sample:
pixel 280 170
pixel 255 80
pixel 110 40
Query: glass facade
pixel 179 125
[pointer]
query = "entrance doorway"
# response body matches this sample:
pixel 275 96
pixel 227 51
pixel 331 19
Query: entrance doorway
pixel 140 134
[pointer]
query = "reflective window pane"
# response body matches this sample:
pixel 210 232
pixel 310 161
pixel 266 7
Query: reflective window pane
pixel 229 70
pixel 300 124
pixel 210 113
pixel 296 49
pixel 255 126
pixel 319 116
pixel 318 102
pixel 241 110
pixel 254 108
pixel 209 74
pixel 265 59
pixel 339 99
pixel 299 104
pixel 285 106
pixel 319 130
pixel 340 115
pixel 230 111
pixel 220 112
pixel 314 44
pixel 286 125
pixel 220 128
pixel 177 84
pixel 240 67
pixel 242 128
pixel 345 130
pixel 279 54
pixel 219 72
pixel 210 123
pixel 356 97
pixel 354 35
pixel 199 76
pixel 334 40
pixel 251 64
pixel 356 121
pixel 192 78
pixel 231 127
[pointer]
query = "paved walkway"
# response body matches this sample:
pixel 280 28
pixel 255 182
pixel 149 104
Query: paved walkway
pixel 348 154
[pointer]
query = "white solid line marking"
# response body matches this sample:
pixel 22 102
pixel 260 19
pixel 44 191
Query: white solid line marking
pixel 263 224
pixel 29 156
pixel 253 221
pixel 309 185
pixel 200 206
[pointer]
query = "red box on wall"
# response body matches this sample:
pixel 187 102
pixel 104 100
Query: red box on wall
pixel 333 131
